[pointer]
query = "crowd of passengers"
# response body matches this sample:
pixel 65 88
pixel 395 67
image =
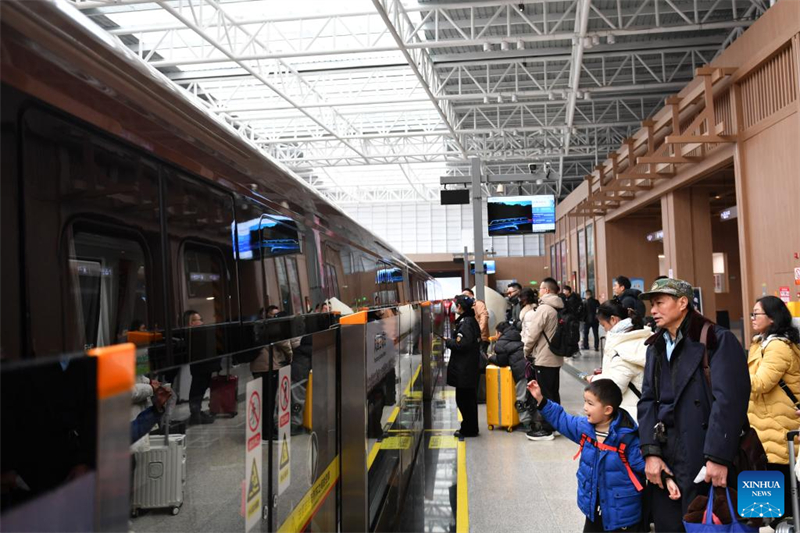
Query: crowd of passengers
pixel 671 413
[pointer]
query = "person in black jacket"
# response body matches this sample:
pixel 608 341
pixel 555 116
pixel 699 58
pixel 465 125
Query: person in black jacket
pixel 686 421
pixel 509 350
pixel 463 367
pixel 627 296
pixel 590 306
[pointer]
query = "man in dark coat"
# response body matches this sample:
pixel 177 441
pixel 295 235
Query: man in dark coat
pixel 512 305
pixel 684 426
pixel 590 306
pixel 627 296
pixel 463 367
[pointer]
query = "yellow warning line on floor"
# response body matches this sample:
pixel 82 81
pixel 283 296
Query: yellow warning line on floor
pixel 410 385
pixel 462 496
pixel 372 454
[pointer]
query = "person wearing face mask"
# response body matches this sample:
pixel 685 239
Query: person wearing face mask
pixel 462 368
pixel 625 352
pixel 514 307
pixel 774 365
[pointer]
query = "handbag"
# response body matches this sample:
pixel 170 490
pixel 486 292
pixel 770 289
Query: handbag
pixel 751 454
pixel 708 526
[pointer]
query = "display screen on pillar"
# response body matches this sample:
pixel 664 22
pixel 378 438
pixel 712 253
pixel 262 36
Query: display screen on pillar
pixel 488 267
pixel 518 215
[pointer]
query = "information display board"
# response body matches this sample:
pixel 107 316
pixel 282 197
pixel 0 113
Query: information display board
pixel 519 215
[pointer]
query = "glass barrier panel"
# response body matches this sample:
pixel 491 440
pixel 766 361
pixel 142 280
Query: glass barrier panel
pixel 304 439
pixel 48 435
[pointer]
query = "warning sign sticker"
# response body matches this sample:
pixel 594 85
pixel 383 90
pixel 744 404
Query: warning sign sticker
pixel 284 425
pixel 254 488
pixel 253 458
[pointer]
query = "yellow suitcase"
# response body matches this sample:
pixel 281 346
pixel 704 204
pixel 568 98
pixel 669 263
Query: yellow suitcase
pixel 500 398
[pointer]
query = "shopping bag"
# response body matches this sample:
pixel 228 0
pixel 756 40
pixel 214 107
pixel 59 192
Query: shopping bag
pixel 708 526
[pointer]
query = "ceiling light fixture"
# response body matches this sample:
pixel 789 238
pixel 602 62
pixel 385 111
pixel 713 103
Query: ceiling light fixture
pixel 485 99
pixel 587 42
pixel 499 98
pixel 514 98
pixel 520 44
pixel 487 47
pixel 504 46
pixel 551 96
pixel 611 39
pixel 595 40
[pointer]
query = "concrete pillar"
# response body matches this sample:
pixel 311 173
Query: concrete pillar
pixel 686 220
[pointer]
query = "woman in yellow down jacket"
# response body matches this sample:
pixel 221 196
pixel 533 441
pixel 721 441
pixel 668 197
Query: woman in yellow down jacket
pixel 774 361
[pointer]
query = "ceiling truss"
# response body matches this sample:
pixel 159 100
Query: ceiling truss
pixel 401 85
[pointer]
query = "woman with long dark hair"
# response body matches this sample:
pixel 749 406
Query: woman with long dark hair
pixel 774 364
pixel 625 352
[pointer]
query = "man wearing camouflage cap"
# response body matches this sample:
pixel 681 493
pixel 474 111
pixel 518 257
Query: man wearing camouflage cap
pixel 685 423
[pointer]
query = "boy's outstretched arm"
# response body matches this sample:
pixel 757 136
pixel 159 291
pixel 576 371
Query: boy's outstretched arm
pixel 566 424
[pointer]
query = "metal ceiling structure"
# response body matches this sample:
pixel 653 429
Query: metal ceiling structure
pixel 375 100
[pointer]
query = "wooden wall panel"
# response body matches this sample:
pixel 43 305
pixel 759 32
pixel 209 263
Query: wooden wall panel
pixel 628 252
pixel 768 208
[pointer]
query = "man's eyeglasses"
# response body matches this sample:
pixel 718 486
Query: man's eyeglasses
pixel 754 315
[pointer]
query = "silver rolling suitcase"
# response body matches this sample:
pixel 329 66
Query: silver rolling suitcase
pixel 793 525
pixel 160 474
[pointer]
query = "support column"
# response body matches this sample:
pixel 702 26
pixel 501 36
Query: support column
pixel 686 219
pixel 477 227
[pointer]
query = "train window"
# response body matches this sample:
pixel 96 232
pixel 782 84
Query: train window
pixel 199 222
pixel 204 278
pixel 294 284
pixel 108 282
pixel 71 174
pixel 289 285
pixel 331 281
pixel 283 286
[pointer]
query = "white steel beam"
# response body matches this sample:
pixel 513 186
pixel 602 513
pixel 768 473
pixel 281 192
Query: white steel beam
pixel 253 72
pixel 419 61
pixel 581 25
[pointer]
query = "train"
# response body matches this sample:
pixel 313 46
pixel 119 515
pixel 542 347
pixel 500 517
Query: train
pixel 126 204
pixel 132 214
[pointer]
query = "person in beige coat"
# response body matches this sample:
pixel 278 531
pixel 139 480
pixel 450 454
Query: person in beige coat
pixel 538 326
pixel 774 362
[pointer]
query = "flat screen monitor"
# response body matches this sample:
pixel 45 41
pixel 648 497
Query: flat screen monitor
pixel 389 275
pixel 488 267
pixel 454 197
pixel 520 215
pixel 267 237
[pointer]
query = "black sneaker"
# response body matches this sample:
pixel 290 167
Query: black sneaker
pixel 460 435
pixel 540 434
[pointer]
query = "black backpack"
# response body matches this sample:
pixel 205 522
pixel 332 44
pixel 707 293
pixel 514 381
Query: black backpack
pixel 567 337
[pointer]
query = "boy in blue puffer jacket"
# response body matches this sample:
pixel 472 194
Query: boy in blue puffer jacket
pixel 610 474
